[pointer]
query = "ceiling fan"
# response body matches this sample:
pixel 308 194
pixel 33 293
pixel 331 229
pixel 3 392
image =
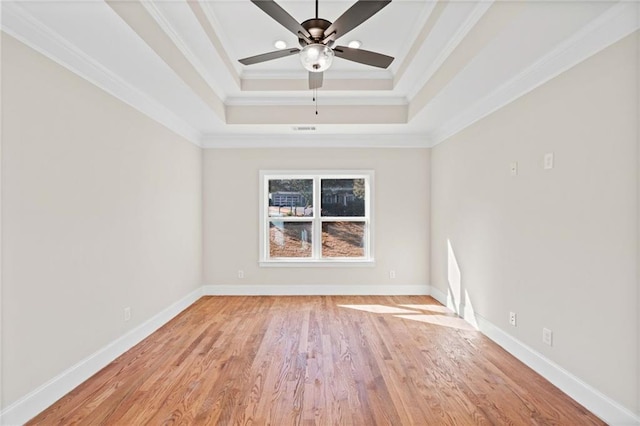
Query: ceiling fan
pixel 317 37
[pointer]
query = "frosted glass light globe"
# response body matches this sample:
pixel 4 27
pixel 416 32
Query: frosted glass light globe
pixel 316 57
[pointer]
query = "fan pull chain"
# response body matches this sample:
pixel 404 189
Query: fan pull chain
pixel 315 99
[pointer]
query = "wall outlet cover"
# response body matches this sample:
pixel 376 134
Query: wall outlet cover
pixel 513 168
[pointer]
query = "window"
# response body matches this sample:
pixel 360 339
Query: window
pixel 315 218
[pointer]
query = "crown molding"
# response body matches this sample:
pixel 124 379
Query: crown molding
pixel 300 84
pixel 327 100
pixel 164 24
pixel 222 39
pixel 428 19
pixel 402 59
pixel 471 21
pixel 306 140
pixel 354 116
pixel 615 24
pixel 21 25
pixel 302 74
pixel 205 18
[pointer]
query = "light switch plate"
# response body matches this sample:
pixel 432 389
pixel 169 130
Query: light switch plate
pixel 548 160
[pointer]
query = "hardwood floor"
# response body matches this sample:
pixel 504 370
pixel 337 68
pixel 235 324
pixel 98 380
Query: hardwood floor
pixel 317 361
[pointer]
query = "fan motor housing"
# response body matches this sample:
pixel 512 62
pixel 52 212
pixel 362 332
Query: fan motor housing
pixel 316 27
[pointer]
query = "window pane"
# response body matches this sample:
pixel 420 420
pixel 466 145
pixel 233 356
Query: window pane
pixel 290 197
pixel 290 239
pixel 342 197
pixel 343 239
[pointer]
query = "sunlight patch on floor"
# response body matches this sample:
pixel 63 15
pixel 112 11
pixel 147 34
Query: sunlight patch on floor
pixel 437 314
pixel 431 308
pixel 442 320
pixel 379 309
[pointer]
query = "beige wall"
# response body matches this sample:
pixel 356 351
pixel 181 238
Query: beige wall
pixel 401 209
pixel 558 247
pixel 101 209
pixel 638 207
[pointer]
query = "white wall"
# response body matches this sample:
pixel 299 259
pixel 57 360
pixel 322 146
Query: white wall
pixel 558 247
pixel 401 209
pixel 101 210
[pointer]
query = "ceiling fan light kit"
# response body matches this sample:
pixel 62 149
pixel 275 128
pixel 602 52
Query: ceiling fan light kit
pixel 317 37
pixel 316 57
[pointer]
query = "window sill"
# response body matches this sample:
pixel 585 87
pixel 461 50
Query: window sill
pixel 318 263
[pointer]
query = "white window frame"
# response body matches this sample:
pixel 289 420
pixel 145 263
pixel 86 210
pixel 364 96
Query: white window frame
pixel 316 260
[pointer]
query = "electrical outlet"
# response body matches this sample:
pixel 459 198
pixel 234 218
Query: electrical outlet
pixel 513 168
pixel 240 274
pixel 512 318
pixel 392 274
pixel 548 160
pixel 547 336
pixel 127 313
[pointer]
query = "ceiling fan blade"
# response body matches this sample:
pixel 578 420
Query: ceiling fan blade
pixel 272 9
pixel 268 56
pixel 315 80
pixel 354 16
pixel 363 56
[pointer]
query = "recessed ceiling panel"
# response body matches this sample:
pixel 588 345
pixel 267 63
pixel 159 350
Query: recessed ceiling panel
pixel 249 31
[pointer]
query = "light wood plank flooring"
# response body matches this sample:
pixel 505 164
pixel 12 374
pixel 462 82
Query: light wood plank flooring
pixel 316 361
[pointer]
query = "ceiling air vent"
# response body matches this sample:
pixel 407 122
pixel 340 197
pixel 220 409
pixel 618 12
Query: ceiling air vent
pixel 304 128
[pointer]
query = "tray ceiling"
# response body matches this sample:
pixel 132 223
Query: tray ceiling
pixel 455 62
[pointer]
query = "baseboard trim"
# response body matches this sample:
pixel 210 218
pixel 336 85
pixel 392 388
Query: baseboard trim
pixel 599 404
pixel 438 295
pixel 315 290
pixel 39 399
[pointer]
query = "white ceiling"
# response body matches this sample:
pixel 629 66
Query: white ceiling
pixel 455 62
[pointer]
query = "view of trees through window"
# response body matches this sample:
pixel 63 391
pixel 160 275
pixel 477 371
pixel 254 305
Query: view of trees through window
pixel 335 228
